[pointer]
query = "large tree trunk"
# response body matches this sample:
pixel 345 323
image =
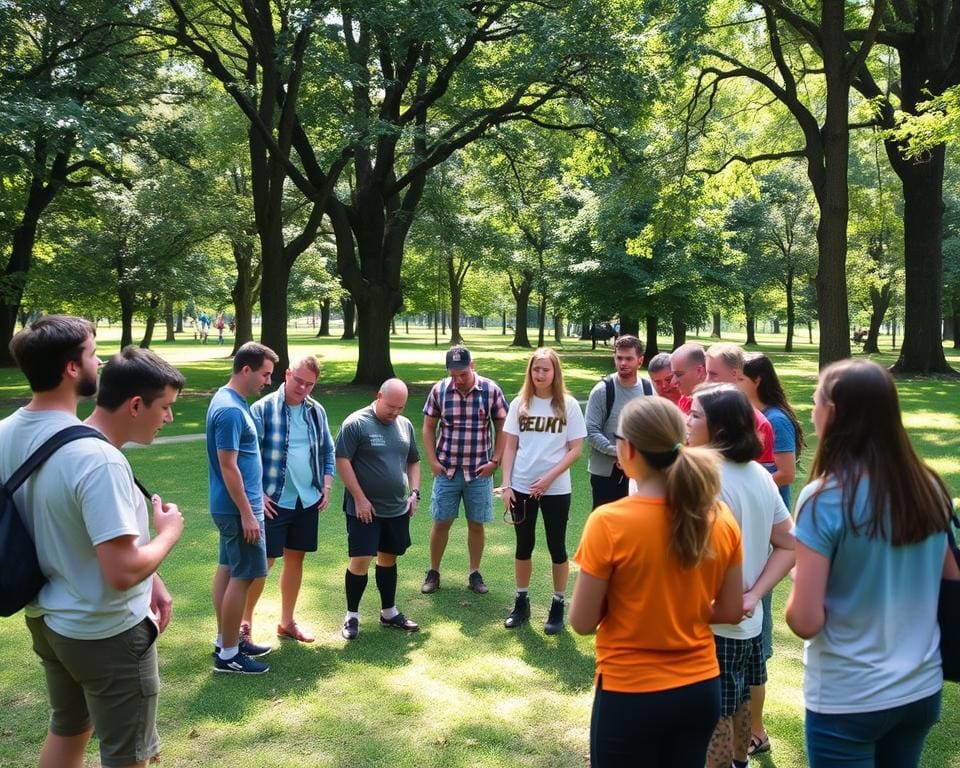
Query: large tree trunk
pixel 503 320
pixel 324 318
pixel 791 311
pixel 127 303
pixel 715 332
pixel 652 346
pixel 679 331
pixel 151 322
pixel 558 329
pixel 245 289
pixel 879 302
pixel 180 320
pixel 922 347
pixel 373 329
pixel 274 282
pixel 521 295
pixel 831 191
pixel 629 325
pixel 168 320
pixel 348 309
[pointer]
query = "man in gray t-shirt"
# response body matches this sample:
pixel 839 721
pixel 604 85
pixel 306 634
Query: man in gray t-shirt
pixel 607 480
pixel 378 461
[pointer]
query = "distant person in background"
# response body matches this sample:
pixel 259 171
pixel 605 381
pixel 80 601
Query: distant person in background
pixel 871 551
pixel 656 568
pixel 662 377
pixel 219 324
pixel 762 386
pixel 544 437
pixel 721 417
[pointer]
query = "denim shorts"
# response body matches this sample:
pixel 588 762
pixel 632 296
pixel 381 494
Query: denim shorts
pixel 246 561
pixel 477 498
pixel 111 684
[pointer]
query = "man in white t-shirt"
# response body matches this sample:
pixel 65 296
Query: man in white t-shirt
pixel 95 621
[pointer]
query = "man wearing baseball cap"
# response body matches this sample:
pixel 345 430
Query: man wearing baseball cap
pixel 463 456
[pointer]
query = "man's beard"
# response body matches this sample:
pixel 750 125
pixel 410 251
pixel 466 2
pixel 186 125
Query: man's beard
pixel 87 386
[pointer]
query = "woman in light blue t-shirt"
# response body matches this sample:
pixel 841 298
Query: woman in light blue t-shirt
pixel 871 549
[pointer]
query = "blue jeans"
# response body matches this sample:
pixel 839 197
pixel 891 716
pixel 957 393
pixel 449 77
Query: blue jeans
pixel 888 738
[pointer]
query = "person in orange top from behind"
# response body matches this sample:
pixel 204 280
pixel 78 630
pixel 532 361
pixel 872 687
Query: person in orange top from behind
pixel 656 569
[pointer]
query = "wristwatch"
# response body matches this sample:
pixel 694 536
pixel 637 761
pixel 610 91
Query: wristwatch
pixel 415 492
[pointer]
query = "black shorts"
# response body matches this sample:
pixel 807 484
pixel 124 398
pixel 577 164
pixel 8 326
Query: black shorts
pixel 741 666
pixel 292 529
pixel 390 535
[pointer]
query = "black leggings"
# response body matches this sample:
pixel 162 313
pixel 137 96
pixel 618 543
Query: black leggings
pixel 556 511
pixel 665 729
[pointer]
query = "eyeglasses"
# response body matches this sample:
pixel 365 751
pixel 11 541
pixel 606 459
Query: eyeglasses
pixel 517 513
pixel 620 437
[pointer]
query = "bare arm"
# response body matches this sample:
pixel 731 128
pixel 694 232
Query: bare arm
pixel 124 564
pixel 363 506
pixel 233 481
pixel 778 565
pixel 510 443
pixel 727 607
pixel 487 470
pixel 413 477
pixel 786 468
pixel 806 613
pixel 589 603
pixel 429 435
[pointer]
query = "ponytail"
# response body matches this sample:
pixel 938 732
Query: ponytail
pixel 654 427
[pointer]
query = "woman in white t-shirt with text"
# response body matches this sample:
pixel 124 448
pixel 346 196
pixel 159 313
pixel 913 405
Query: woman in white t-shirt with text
pixel 544 437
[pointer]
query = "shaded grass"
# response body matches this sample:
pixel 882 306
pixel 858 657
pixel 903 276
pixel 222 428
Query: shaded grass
pixel 463 691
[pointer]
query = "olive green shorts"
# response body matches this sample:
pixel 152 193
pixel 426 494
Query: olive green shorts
pixel 110 684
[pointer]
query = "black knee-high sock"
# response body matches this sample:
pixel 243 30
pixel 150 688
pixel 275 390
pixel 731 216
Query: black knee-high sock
pixel 386 577
pixel 354 585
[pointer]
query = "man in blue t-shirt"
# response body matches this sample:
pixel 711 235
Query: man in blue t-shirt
pixel 236 505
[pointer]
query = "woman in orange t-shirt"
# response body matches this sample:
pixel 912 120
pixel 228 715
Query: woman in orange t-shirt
pixel 656 569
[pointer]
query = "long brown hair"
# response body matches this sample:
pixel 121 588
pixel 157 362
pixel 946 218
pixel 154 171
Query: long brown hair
pixel 759 368
pixel 558 392
pixel 654 426
pixel 866 440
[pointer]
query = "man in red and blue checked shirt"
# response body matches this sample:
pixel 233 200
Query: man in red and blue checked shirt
pixel 465 406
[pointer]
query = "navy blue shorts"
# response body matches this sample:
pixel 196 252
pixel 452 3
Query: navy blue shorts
pixel 390 535
pixel 293 529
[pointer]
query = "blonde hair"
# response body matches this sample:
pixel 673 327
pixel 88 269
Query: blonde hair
pixel 654 427
pixel 558 392
pixel 727 353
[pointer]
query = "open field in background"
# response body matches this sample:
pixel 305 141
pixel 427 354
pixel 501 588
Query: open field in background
pixel 461 692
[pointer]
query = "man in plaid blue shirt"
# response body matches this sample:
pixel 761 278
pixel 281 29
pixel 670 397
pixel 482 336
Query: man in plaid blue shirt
pixel 298 465
pixel 464 406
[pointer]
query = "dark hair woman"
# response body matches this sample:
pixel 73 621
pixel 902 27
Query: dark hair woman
pixel 871 550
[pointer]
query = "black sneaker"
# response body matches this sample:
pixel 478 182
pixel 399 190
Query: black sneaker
pixel 400 622
pixel 241 664
pixel 247 648
pixel 351 628
pixel 476 583
pixel 519 614
pixel 432 583
pixel 554 625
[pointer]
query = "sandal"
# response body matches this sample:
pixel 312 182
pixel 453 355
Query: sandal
pixel 295 632
pixel 758 744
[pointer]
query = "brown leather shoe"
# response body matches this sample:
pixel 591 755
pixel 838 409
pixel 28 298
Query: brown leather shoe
pixel 295 632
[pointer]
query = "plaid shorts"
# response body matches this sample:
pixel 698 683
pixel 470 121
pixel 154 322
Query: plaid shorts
pixel 741 665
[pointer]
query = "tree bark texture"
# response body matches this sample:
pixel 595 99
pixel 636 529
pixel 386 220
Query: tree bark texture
pixel 652 346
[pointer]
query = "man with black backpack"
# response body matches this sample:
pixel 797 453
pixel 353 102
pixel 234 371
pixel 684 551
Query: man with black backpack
pixel 95 620
pixel 606 400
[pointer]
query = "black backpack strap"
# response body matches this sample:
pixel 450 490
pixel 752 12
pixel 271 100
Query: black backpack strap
pixel 647 386
pixel 45 451
pixel 608 385
pixel 143 488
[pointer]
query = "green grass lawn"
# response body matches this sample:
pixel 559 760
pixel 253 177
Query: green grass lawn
pixel 463 691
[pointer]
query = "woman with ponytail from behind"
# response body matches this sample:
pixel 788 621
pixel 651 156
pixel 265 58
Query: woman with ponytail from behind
pixel 871 550
pixel 656 569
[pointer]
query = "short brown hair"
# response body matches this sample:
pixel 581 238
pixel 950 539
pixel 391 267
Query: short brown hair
pixel 629 342
pixel 43 349
pixel 252 355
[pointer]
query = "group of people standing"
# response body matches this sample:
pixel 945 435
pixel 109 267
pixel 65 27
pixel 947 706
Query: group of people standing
pixel 690 474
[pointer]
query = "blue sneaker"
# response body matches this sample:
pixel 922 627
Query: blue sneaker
pixel 241 664
pixel 247 648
